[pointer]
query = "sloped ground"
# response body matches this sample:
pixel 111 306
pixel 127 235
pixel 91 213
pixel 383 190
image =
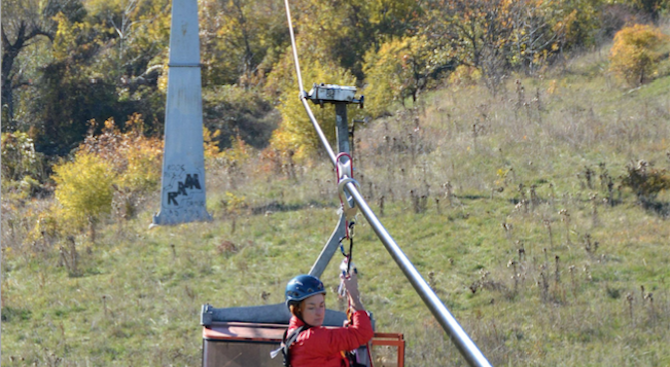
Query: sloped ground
pixel 498 200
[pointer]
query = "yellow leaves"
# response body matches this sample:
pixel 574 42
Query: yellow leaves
pixel 501 176
pixel 234 203
pixel 392 71
pixel 46 225
pixel 385 10
pixel 136 159
pixel 66 36
pixel 383 70
pixel 142 171
pixel 634 55
pixel 235 156
pixel 239 151
pixel 296 134
pixel 567 22
pixel 553 87
pixel 109 125
pixel 210 146
pixel 163 80
pixel 465 75
pixel 84 187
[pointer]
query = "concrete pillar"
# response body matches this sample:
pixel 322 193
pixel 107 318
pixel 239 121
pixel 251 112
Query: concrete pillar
pixel 183 180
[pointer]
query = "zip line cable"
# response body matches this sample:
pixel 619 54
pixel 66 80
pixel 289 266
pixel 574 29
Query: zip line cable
pixel 294 48
pixel 303 95
pixel 459 337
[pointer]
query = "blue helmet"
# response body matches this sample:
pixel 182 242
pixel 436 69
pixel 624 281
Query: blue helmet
pixel 303 286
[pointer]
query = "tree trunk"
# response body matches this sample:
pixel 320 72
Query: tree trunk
pixel 9 53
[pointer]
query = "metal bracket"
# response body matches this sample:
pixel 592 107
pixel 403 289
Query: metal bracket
pixel 345 174
pixel 331 93
pixel 349 209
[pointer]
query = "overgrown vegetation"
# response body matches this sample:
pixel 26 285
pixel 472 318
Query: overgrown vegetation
pixel 539 217
pixel 518 172
pixel 635 54
pixel 68 62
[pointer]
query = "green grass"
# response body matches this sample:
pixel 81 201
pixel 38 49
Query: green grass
pixel 136 297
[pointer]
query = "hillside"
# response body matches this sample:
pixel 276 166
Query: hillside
pixel 521 234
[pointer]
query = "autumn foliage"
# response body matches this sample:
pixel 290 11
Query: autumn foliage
pixel 135 158
pixel 635 53
pixel 100 60
pixel 296 135
pixel 110 167
pixel 84 189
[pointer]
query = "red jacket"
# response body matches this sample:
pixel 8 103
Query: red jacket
pixel 322 347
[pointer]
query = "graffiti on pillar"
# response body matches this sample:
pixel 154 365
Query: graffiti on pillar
pixel 184 188
pixel 183 195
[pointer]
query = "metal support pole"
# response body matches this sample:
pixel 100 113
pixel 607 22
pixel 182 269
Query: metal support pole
pixel 459 337
pixel 342 130
pixel 329 249
pixel 342 127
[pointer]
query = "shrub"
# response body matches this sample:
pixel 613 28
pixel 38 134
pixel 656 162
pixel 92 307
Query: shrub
pixel 211 148
pixel 635 53
pixel 465 75
pixel 84 189
pixel 232 160
pixel 46 226
pixel 135 158
pixel 645 180
pixel 19 158
pixel 400 69
pixel 238 152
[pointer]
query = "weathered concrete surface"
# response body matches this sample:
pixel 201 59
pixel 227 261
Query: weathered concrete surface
pixel 183 195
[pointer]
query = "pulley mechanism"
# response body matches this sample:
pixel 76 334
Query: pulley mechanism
pixel 331 93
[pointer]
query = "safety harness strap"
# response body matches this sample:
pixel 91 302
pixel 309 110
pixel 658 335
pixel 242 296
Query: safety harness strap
pixel 287 341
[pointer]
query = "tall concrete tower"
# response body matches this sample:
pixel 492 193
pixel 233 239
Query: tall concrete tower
pixel 183 182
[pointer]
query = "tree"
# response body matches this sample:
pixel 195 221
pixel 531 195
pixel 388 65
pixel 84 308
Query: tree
pixel 26 22
pixel 70 92
pixel 133 56
pixel 635 53
pixel 343 31
pixel 402 68
pixel 580 20
pixel 479 31
pixel 394 17
pixel 652 7
pixel 537 32
pixel 84 189
pixel 240 40
pixel 106 64
pixel 19 158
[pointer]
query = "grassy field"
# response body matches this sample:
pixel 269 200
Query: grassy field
pixel 502 202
